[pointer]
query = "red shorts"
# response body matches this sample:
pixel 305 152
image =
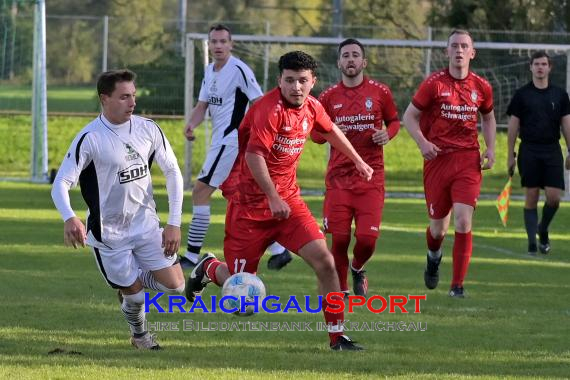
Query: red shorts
pixel 341 206
pixel 249 232
pixel 452 178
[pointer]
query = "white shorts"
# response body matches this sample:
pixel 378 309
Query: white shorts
pixel 120 267
pixel 218 165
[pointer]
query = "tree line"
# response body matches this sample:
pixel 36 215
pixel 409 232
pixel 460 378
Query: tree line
pixel 146 35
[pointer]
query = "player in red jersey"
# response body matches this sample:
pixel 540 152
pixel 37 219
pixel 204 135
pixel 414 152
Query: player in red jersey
pixel 268 206
pixel 359 106
pixel 442 119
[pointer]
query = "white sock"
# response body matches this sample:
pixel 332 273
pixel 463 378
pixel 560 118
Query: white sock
pixel 194 257
pixel 198 228
pixel 354 269
pixel 133 311
pixel 276 249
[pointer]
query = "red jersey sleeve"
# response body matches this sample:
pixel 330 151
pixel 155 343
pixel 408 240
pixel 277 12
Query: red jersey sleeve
pixel 315 135
pixel 487 105
pixel 389 110
pixel 393 127
pixel 263 131
pixel 390 113
pixel 323 122
pixel 425 95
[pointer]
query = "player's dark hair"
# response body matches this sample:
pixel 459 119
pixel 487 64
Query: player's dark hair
pixel 460 31
pixel 107 80
pixel 297 61
pixel 540 54
pixel 352 41
pixel 219 27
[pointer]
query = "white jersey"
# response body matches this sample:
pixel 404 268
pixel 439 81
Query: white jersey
pixel 112 165
pixel 227 93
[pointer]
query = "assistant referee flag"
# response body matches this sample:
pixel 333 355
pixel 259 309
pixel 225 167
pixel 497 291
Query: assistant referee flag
pixel 503 201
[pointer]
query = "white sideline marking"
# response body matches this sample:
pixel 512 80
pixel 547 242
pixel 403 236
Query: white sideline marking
pixel 503 251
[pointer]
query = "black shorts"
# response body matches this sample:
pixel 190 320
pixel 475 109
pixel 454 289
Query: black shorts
pixel 541 165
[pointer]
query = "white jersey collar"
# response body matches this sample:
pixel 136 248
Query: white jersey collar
pixel 114 126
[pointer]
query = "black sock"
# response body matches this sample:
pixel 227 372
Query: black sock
pixel 547 215
pixel 530 223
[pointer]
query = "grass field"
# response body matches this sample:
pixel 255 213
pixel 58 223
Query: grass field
pixel 403 163
pixel 60 98
pixel 514 324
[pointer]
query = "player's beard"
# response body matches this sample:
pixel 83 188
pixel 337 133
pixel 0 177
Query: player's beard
pixel 355 71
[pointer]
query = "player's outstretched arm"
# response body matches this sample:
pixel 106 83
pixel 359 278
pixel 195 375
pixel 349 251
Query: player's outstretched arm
pixel 196 117
pixel 338 140
pixel 258 167
pixel 489 128
pixel 513 132
pixel 412 124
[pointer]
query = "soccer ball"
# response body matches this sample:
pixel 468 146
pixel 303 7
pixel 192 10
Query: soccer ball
pixel 243 284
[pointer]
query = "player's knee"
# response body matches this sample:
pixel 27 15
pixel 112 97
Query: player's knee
pixel 201 193
pixel 553 201
pixel 134 299
pixel 179 289
pixel 325 264
pixel 366 242
pixel 172 287
pixel 340 244
pixel 437 233
pixel 531 197
pixel 463 224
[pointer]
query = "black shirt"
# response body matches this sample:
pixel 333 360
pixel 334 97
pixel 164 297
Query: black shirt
pixel 540 112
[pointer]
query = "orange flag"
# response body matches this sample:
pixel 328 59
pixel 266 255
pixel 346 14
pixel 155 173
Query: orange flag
pixel 503 201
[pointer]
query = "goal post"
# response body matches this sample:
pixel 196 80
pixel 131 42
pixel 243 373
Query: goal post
pixel 39 146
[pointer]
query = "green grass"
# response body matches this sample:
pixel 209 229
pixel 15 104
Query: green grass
pixel 403 162
pixel 514 324
pixel 60 98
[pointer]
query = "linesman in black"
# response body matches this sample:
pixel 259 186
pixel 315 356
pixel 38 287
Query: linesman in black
pixel 538 112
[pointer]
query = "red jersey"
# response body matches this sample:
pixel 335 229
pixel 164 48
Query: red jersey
pixel 449 109
pixel 359 111
pixel 277 132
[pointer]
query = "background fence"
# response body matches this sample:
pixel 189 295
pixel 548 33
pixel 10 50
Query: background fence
pixel 80 47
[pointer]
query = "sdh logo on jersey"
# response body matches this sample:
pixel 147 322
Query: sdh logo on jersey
pixel 132 173
pixel 215 100
pixel 305 125
pixel 368 103
pixel 131 153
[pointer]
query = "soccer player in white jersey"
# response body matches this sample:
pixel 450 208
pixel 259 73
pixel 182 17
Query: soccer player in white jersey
pixel 111 159
pixel 228 86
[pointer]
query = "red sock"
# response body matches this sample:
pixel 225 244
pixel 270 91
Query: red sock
pixel 433 243
pixel 335 319
pixel 363 250
pixel 211 270
pixel 462 249
pixel 339 251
